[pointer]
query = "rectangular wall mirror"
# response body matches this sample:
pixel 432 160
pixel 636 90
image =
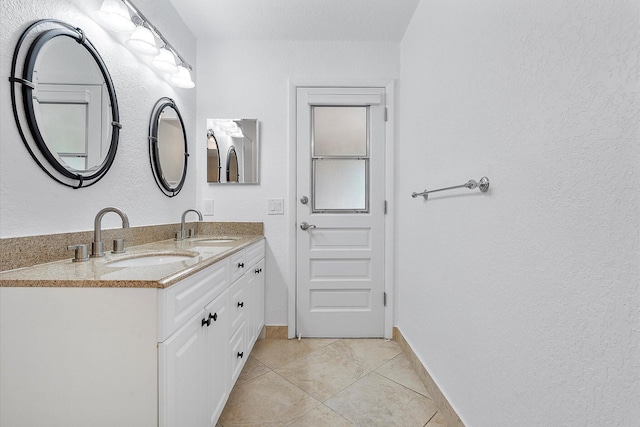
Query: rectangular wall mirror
pixel 232 151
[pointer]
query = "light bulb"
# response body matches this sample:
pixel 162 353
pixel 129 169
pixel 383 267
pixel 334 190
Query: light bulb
pixel 142 41
pixel 182 78
pixel 165 62
pixel 114 16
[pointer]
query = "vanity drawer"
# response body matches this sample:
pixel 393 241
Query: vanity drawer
pixel 238 304
pixel 254 253
pixel 239 353
pixel 238 265
pixel 179 302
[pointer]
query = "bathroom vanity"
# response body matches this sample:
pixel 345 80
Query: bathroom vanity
pixel 129 340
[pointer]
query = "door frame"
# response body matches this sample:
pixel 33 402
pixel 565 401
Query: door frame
pixel 389 219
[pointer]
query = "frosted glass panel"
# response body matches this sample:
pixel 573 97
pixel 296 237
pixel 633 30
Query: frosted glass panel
pixel 340 184
pixel 339 131
pixel 54 125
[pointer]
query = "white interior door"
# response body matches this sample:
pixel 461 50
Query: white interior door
pixel 340 212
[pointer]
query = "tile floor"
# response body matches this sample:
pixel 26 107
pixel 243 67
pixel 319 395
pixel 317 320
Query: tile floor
pixel 326 382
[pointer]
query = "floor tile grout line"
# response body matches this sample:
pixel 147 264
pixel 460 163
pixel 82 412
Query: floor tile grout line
pixel 428 421
pixel 408 388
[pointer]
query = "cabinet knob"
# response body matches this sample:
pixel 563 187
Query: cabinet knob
pixel 240 354
pixel 206 322
pixel 240 304
pixel 241 265
pixel 257 271
pixel 213 316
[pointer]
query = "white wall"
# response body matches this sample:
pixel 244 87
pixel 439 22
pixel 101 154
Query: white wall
pixel 250 79
pixel 30 202
pixel 523 303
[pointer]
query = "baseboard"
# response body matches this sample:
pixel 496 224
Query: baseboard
pixel 276 332
pixel 444 407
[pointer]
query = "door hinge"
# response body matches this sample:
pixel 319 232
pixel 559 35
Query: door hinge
pixel 386 114
pixel 385 298
pixel 385 207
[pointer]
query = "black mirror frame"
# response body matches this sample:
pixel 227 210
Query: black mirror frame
pixel 154 155
pixel 54 169
pixel 232 149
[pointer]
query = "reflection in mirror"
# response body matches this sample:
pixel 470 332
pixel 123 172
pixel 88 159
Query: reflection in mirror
pixel 69 102
pixel 168 147
pixel 232 165
pixel 213 158
pixel 242 135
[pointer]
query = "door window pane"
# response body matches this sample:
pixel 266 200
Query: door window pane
pixel 54 125
pixel 339 131
pixel 340 184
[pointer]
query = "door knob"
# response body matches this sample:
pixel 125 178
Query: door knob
pixel 306 226
pixel 304 200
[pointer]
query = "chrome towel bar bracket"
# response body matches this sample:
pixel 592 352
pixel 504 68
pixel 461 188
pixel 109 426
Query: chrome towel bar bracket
pixel 483 186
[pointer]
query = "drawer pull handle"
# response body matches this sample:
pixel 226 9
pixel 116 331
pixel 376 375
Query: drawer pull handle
pixel 241 265
pixel 258 270
pixel 240 354
pixel 240 304
pixel 213 316
pixel 206 322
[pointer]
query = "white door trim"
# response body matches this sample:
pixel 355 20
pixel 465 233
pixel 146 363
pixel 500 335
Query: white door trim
pixel 389 253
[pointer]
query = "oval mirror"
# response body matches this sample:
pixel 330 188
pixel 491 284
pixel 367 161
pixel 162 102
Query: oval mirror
pixel 232 165
pixel 168 150
pixel 69 103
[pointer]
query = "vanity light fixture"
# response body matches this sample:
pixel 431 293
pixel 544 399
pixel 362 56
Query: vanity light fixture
pixel 142 41
pixel 114 15
pixel 167 61
pixel 182 78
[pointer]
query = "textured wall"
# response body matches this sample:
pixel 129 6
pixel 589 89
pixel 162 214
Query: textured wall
pixel 523 303
pixel 30 202
pixel 250 80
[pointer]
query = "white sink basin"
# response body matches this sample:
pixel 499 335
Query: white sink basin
pixel 147 260
pixel 210 249
pixel 221 240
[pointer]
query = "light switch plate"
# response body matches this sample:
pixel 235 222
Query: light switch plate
pixel 208 207
pixel 276 207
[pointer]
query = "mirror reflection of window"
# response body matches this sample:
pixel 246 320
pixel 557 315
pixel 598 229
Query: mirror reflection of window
pixel 232 165
pixel 213 158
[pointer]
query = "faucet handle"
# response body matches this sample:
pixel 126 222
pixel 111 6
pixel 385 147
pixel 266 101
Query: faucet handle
pixel 118 246
pixel 82 252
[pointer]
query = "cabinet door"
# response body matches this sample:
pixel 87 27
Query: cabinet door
pixel 255 292
pixel 259 292
pixel 181 361
pixel 238 352
pixel 216 358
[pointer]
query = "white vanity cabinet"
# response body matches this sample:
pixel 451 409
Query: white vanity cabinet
pixel 131 357
pixel 200 362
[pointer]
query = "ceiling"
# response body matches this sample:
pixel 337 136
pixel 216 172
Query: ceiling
pixel 300 20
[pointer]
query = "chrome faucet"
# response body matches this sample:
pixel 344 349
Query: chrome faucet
pixel 96 245
pixel 182 234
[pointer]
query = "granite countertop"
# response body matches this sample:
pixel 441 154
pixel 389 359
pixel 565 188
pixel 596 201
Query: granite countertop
pixel 98 273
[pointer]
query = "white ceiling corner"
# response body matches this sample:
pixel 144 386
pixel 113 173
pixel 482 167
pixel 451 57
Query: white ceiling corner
pixel 297 20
